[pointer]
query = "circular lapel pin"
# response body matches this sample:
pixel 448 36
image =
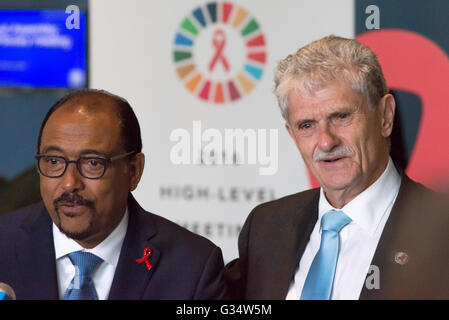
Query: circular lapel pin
pixel 401 258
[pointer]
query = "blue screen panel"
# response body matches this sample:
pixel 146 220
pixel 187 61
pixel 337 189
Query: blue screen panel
pixel 37 49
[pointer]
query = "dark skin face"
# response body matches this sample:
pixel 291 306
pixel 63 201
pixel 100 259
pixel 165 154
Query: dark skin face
pixel 87 210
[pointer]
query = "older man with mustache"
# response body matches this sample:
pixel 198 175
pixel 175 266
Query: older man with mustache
pixel 369 232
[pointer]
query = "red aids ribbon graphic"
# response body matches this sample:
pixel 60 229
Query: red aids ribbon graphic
pixel 146 256
pixel 219 42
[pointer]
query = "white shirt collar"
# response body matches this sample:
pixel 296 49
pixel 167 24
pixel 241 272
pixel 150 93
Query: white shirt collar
pixel 368 208
pixel 108 249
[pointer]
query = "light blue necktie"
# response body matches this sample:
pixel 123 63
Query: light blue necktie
pixel 319 281
pixel 81 287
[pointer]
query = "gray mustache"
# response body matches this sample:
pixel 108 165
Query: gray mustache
pixel 342 151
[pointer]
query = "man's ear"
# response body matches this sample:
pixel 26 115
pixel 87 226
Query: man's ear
pixel 387 108
pixel 137 164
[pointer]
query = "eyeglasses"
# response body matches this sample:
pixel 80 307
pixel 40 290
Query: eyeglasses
pixel 89 167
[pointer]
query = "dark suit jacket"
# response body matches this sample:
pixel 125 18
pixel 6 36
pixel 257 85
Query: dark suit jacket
pixel 275 234
pixel 184 265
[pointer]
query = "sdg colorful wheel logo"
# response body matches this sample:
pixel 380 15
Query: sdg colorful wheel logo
pixel 220 52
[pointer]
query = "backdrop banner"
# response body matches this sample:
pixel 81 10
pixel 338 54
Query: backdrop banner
pixel 199 75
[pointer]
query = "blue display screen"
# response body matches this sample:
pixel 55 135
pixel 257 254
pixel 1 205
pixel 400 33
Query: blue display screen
pixel 43 48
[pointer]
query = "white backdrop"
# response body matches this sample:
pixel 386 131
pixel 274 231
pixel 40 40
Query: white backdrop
pixel 131 54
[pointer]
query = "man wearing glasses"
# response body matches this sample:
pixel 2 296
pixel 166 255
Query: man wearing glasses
pixel 89 238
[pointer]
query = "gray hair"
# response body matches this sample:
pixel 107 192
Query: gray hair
pixel 328 59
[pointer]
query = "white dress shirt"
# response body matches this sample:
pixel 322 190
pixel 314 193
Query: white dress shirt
pixel 369 212
pixel 108 250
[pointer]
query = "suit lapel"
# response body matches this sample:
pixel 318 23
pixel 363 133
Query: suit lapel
pixel 131 278
pixel 38 270
pixel 287 252
pixel 397 236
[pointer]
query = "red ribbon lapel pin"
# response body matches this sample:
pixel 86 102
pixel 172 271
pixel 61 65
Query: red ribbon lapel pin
pixel 146 256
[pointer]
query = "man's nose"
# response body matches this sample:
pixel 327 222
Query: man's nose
pixel 327 139
pixel 72 179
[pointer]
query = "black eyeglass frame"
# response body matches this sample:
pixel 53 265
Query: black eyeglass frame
pixel 105 161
